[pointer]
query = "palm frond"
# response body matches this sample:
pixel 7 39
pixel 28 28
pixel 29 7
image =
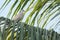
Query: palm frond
pixel 42 13
pixel 22 31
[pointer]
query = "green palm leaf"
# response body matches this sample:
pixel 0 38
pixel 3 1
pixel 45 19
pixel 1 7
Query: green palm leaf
pixel 42 13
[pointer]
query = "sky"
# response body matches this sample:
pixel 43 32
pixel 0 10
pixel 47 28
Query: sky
pixel 4 11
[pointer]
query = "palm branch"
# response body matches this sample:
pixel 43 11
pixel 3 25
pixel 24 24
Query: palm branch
pixel 41 13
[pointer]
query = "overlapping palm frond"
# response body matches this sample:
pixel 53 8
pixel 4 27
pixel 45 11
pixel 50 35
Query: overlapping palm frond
pixel 41 13
pixel 22 31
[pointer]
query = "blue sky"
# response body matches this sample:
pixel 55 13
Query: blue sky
pixel 4 11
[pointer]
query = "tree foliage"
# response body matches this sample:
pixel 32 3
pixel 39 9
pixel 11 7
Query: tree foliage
pixel 42 13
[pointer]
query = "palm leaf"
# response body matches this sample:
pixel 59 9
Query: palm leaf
pixel 44 14
pixel 22 31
